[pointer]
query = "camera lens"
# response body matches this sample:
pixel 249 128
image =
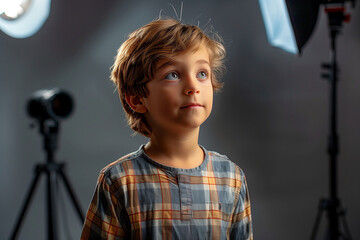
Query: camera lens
pixel 53 103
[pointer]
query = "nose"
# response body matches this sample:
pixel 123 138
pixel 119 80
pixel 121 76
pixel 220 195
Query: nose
pixel 191 86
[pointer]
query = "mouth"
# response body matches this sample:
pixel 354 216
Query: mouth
pixel 191 105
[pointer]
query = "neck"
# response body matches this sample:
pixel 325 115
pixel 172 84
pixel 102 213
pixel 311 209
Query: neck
pixel 179 151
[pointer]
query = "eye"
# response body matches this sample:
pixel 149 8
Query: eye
pixel 172 76
pixel 202 75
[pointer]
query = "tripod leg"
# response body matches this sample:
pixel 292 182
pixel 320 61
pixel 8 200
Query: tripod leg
pixel 345 225
pixel 72 195
pixel 51 204
pixel 38 170
pixel 322 206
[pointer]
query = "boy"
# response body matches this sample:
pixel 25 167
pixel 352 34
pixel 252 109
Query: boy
pixel 171 188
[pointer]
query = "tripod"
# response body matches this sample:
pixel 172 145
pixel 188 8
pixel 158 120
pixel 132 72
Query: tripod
pixel 49 129
pixel 332 205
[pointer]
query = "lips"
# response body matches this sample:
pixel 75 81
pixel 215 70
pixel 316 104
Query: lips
pixel 191 105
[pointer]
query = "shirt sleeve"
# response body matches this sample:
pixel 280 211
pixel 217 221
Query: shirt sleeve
pixel 102 218
pixel 241 223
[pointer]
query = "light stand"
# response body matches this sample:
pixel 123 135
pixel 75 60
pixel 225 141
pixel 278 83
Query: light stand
pixel 45 104
pixel 332 205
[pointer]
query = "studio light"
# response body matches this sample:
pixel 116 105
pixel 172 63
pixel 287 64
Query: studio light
pixel 23 18
pixel 13 9
pixel 289 24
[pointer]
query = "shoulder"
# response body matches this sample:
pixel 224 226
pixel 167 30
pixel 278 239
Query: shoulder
pixel 223 165
pixel 123 166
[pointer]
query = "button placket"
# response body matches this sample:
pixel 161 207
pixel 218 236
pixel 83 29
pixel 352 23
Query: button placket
pixel 185 196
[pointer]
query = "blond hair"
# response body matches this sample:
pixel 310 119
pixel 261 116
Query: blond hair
pixel 136 60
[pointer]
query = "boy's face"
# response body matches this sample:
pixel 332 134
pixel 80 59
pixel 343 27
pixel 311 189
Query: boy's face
pixel 181 93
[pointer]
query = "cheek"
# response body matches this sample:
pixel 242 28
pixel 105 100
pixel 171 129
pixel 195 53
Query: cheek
pixel 211 102
pixel 161 102
pixel 207 97
pixel 209 92
pixel 168 97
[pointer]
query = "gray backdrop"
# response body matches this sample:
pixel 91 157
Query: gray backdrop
pixel 271 117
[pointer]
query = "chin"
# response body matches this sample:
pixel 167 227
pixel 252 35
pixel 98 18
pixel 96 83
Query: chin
pixel 194 124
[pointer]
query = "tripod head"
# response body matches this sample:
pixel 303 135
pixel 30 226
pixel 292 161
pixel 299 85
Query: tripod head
pixel 335 10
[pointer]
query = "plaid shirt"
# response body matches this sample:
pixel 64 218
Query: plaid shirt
pixel 138 198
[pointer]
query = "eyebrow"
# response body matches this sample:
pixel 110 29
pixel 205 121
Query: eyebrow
pixel 174 62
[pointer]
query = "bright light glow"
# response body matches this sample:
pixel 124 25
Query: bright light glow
pixel 278 26
pixel 28 22
pixel 12 8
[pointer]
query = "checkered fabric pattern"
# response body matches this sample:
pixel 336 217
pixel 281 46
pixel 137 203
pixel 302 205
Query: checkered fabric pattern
pixel 138 198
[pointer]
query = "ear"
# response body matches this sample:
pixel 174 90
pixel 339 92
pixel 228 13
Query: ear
pixel 136 103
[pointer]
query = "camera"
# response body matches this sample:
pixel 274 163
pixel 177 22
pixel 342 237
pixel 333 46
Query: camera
pixel 53 104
